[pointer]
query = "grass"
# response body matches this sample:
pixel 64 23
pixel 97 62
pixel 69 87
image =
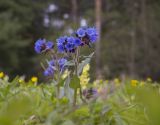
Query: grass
pixel 117 103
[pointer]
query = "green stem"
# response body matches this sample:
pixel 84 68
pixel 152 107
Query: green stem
pixel 75 97
pixel 58 86
pixel 58 90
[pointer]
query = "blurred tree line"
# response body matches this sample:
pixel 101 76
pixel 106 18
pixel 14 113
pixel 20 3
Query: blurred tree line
pixel 129 42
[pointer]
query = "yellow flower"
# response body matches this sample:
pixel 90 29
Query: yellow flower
pixel 20 80
pixel 84 78
pixel 82 112
pixel 65 74
pixel 142 83
pixel 149 79
pixel 107 81
pixel 1 74
pixel 133 97
pixel 134 83
pixel 117 81
pixel 34 79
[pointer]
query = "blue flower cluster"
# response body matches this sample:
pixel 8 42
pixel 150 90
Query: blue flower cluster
pixel 68 44
pixel 87 35
pixel 52 66
pixel 42 46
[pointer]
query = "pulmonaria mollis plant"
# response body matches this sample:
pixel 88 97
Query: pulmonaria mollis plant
pixel 65 54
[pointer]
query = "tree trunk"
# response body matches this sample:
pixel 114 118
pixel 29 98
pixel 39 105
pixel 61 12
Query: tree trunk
pixel 144 31
pixel 74 10
pixel 133 40
pixel 98 6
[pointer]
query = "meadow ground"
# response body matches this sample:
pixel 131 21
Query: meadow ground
pixel 129 102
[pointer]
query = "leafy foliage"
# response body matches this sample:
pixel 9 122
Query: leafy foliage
pixel 29 104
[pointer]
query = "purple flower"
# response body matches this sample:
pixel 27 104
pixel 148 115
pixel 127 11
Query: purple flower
pixel 42 46
pixel 90 93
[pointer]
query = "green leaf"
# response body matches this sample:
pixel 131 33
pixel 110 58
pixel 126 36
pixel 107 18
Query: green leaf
pixel 75 82
pixel 68 122
pixel 84 62
pixel 61 82
pixel 68 91
pixel 69 63
pixel 90 56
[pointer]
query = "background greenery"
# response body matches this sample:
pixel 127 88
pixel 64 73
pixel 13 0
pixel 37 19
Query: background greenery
pixel 130 34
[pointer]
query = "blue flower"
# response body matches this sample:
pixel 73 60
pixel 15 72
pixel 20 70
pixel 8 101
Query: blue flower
pixel 81 32
pixel 92 34
pixel 49 71
pixel 77 42
pixel 52 66
pixel 42 46
pixel 61 63
pixel 49 45
pixel 93 38
pixel 39 44
pixel 61 41
pixel 66 44
pixel 69 46
pixel 91 31
pixel 51 63
pixel 87 35
pixel 61 48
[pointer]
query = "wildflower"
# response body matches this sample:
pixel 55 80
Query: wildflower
pixel 84 78
pixel 61 63
pixel 134 83
pixel 42 46
pixel 21 80
pixel 81 32
pixel 52 66
pixel 1 74
pixel 149 79
pixel 87 35
pixel 77 42
pixel 117 81
pixel 49 71
pixel 68 44
pixel 34 79
pixel 61 42
pixel 92 33
pixel 142 83
pixel 133 97
pixel 90 93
